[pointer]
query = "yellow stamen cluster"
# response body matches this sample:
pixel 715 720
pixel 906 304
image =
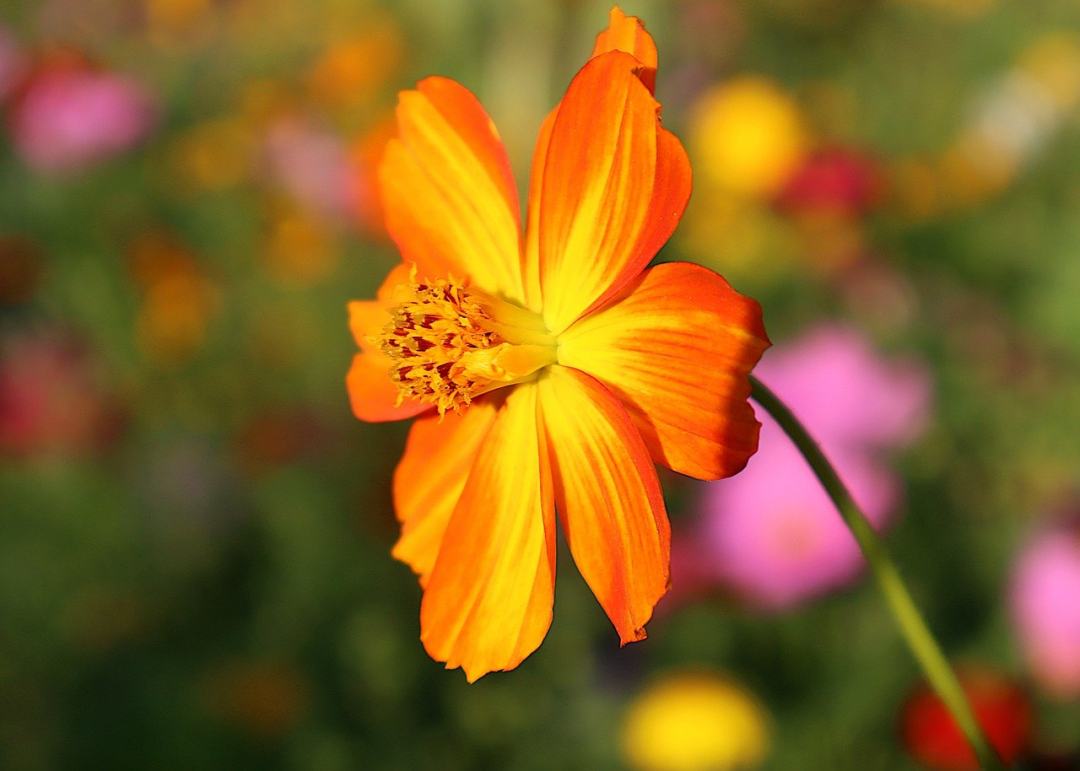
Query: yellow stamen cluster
pixel 428 338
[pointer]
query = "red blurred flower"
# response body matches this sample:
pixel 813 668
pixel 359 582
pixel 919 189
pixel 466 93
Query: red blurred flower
pixel 50 400
pixel 1001 707
pixel 837 180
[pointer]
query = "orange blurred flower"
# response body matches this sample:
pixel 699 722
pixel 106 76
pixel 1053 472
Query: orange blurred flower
pixel 354 69
pixel 551 369
pixel 300 249
pixel 178 300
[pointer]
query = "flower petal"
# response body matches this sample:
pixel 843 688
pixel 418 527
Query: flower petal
pixel 368 317
pixel 488 602
pixel 373 394
pixel 614 186
pixel 608 497
pixel 430 477
pixel 627 33
pixel 677 349
pixel 531 254
pixel 623 33
pixel 447 190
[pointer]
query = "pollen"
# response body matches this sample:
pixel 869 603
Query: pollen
pixel 450 343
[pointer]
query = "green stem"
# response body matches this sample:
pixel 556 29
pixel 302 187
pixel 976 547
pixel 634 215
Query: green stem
pixel 918 637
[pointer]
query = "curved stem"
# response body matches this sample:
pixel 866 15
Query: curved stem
pixel 916 634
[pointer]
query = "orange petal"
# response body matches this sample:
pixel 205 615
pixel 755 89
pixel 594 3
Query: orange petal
pixel 627 33
pixel 677 349
pixel 368 317
pixel 430 477
pixel 372 394
pixel 488 601
pixel 624 33
pixel 670 195
pixel 614 186
pixel 447 190
pixel 608 498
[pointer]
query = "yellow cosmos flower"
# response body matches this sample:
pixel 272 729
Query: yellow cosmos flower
pixel 550 369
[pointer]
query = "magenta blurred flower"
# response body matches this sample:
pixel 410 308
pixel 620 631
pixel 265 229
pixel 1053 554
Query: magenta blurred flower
pixel 313 166
pixel 68 118
pixel 771 534
pixel 1045 599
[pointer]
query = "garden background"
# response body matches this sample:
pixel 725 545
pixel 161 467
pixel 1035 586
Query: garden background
pixel 195 532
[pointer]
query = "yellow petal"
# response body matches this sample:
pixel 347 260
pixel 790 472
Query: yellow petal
pixel 531 253
pixel 488 601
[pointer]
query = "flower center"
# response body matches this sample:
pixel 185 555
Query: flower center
pixel 450 343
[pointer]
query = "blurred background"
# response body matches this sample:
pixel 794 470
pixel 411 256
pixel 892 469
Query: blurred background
pixel 195 531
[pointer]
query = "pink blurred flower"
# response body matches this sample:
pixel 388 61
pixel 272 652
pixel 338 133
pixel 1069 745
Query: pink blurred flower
pixel 313 166
pixel 846 393
pixel 70 117
pixel 774 535
pixel 771 533
pixel 1045 600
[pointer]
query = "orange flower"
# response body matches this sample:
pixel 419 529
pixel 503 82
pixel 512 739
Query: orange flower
pixel 554 368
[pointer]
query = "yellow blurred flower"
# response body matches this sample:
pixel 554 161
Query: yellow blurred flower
pixel 747 136
pixel 695 721
pixel 1053 62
